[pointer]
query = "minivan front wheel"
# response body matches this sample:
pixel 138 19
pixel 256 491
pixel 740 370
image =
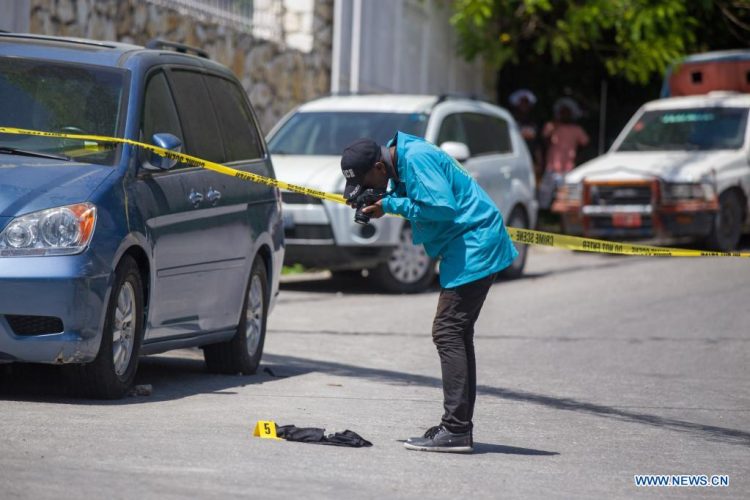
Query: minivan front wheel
pixel 242 353
pixel 408 269
pixel 112 372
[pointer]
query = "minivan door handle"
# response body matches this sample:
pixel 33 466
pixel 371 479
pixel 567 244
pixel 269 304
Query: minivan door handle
pixel 195 198
pixel 213 195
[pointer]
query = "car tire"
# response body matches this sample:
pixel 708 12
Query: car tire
pixel 242 353
pixel 727 226
pixel 408 269
pixel 112 372
pixel 519 220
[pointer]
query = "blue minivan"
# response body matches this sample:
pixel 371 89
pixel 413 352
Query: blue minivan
pixel 107 253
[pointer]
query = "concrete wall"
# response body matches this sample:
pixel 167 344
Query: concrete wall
pixel 277 75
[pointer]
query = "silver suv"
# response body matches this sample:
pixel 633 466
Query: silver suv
pixel 306 147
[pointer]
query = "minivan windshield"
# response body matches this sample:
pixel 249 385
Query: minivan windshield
pixel 328 133
pixel 687 129
pixel 60 97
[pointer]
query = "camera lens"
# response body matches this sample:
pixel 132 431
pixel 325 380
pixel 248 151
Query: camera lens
pixel 361 218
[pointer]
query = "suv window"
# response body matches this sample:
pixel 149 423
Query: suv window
pixel 159 112
pixel 238 129
pixel 486 134
pixel 202 138
pixel 452 130
pixel 329 132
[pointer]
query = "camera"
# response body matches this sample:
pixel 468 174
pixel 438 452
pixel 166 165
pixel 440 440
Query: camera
pixel 365 199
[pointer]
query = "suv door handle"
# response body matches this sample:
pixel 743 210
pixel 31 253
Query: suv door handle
pixel 195 198
pixel 213 195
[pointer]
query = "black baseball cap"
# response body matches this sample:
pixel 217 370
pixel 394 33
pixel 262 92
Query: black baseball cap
pixel 356 160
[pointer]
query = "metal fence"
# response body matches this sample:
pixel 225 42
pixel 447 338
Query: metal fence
pixel 261 18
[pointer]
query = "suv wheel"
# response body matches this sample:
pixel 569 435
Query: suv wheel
pixel 242 353
pixel 111 374
pixel 408 270
pixel 727 227
pixel 515 270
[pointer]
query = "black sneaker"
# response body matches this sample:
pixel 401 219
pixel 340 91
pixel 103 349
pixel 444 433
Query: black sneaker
pixel 441 439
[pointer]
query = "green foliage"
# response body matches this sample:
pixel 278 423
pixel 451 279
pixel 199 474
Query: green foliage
pixel 635 39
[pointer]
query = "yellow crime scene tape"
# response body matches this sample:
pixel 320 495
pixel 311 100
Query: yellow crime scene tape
pixel 525 236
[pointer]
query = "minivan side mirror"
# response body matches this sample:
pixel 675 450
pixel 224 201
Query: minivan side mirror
pixel 458 150
pixel 164 141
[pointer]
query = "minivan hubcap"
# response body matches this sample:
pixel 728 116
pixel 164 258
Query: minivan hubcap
pixel 254 322
pixel 123 332
pixel 408 262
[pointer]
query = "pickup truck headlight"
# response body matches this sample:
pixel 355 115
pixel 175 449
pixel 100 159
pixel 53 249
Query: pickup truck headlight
pixel 570 192
pixel 55 231
pixel 688 191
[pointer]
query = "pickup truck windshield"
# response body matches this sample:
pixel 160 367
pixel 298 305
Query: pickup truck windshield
pixel 60 97
pixel 687 129
pixel 328 133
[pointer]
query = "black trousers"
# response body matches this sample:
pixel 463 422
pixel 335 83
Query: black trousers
pixel 453 334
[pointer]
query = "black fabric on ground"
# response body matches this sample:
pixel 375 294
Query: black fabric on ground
pixel 317 436
pixel 347 438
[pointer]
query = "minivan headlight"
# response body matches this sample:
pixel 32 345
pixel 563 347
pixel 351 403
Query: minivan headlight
pixel 56 231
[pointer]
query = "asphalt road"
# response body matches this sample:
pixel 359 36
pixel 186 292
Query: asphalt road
pixel 591 369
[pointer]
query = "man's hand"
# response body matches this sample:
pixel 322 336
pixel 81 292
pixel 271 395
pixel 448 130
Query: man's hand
pixel 375 211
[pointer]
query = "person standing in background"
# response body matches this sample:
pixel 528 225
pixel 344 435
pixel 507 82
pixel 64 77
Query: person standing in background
pixel 563 137
pixel 522 103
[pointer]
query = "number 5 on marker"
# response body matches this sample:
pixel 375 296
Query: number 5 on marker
pixel 265 429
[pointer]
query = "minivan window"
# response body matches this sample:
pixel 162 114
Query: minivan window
pixel 238 128
pixel 61 97
pixel 486 134
pixel 159 112
pixel 202 137
pixel 328 133
pixel 687 129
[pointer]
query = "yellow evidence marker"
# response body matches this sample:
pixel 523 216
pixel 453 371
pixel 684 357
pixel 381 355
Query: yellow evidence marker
pixel 265 429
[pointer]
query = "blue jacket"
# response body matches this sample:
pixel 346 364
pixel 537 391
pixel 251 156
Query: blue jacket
pixel 449 213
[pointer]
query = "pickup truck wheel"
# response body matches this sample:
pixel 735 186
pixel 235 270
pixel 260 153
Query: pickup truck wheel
pixel 519 220
pixel 242 353
pixel 408 269
pixel 727 227
pixel 112 372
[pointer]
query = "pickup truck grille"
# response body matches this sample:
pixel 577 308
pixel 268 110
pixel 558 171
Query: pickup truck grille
pixel 626 194
pixel 624 209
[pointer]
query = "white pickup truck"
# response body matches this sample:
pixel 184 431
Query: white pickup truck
pixel 679 168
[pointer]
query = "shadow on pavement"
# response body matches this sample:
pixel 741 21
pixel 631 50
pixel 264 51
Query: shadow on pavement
pixel 714 433
pixel 179 377
pixel 487 448
pixel 170 377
